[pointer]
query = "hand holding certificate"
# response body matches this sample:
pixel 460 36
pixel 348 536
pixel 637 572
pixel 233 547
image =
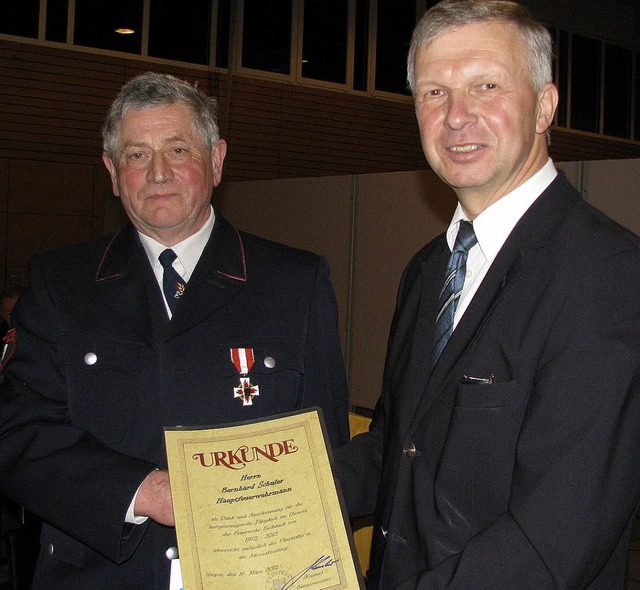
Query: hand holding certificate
pixel 256 507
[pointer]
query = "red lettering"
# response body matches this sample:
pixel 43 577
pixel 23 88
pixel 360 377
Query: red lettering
pixel 242 455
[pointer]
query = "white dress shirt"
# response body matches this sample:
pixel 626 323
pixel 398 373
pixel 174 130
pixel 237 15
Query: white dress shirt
pixel 492 228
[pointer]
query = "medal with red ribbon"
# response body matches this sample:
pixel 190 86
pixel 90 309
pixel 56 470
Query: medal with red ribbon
pixel 243 359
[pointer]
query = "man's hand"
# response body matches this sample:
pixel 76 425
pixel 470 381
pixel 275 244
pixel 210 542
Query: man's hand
pixel 154 498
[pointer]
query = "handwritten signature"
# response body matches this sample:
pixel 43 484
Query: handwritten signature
pixel 320 563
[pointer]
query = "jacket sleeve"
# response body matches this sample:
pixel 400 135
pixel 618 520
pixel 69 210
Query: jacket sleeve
pixel 57 471
pixel 325 384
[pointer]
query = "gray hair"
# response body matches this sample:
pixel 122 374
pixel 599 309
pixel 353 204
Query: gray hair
pixel 152 90
pixel 449 15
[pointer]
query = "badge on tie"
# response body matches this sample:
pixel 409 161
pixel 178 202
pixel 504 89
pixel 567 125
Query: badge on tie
pixel 172 283
pixel 243 359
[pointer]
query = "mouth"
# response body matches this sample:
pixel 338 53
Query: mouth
pixel 465 149
pixel 156 196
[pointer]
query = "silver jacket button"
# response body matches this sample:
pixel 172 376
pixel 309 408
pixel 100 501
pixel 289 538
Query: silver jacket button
pixel 409 450
pixel 269 362
pixel 91 358
pixel 172 553
pixel 50 549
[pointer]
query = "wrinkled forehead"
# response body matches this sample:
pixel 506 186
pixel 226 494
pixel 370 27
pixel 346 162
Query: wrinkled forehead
pixel 476 30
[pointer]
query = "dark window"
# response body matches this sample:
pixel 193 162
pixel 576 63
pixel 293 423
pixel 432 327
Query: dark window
pixel 181 34
pixel 562 56
pixel 361 46
pixel 97 20
pixel 324 40
pixel 617 91
pixel 20 17
pixel 585 84
pixel 395 23
pixel 266 35
pixel 56 29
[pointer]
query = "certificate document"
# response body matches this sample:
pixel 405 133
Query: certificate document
pixel 256 507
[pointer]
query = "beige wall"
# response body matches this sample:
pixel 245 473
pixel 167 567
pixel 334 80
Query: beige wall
pixel 369 226
pixel 614 187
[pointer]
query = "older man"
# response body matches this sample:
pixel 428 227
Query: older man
pixel 505 444
pixel 155 326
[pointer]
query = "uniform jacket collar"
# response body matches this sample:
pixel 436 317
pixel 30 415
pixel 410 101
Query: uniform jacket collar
pixel 126 281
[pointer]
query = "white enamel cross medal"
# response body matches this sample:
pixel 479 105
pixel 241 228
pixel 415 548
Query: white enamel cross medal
pixel 243 359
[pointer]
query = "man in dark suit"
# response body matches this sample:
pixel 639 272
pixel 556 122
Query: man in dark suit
pixel 505 445
pixel 111 346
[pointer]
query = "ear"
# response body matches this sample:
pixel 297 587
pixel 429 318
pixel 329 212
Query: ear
pixel 217 158
pixel 547 104
pixel 111 167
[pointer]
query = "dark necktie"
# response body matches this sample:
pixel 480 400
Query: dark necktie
pixel 454 280
pixel 173 284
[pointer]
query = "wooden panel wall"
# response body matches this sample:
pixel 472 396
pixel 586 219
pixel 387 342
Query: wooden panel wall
pixel 52 104
pixel 53 188
pixel 53 101
pixel 278 130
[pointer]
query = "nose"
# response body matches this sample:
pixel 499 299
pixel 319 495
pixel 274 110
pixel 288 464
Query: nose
pixel 460 110
pixel 159 169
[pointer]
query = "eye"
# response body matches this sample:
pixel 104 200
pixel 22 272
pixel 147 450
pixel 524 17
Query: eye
pixel 488 86
pixel 431 93
pixel 134 156
pixel 178 151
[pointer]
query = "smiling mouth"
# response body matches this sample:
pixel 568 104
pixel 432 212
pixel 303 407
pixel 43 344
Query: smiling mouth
pixel 465 148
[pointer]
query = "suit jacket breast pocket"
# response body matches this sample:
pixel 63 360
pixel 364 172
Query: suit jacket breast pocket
pixel 103 386
pixel 276 372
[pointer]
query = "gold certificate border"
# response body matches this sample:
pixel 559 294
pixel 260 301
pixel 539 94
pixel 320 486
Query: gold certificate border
pixel 310 421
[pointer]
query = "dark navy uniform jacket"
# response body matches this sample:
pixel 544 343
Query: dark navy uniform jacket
pixel 98 370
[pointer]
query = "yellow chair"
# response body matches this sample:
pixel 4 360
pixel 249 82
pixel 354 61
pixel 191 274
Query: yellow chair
pixel 361 535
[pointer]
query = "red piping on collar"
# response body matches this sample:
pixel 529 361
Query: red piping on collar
pixel 104 255
pixel 244 261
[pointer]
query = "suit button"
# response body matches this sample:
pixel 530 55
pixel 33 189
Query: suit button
pixel 91 358
pixel 269 362
pixel 50 549
pixel 172 553
pixel 409 450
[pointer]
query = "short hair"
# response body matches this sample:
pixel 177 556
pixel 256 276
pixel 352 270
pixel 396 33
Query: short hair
pixel 449 15
pixel 152 90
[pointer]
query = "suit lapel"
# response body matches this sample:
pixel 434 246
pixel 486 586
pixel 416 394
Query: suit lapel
pixel 218 277
pixel 530 233
pixel 418 328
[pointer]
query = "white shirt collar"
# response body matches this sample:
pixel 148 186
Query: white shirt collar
pixel 188 251
pixel 495 223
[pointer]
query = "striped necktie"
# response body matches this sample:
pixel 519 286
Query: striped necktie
pixel 173 284
pixel 454 280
